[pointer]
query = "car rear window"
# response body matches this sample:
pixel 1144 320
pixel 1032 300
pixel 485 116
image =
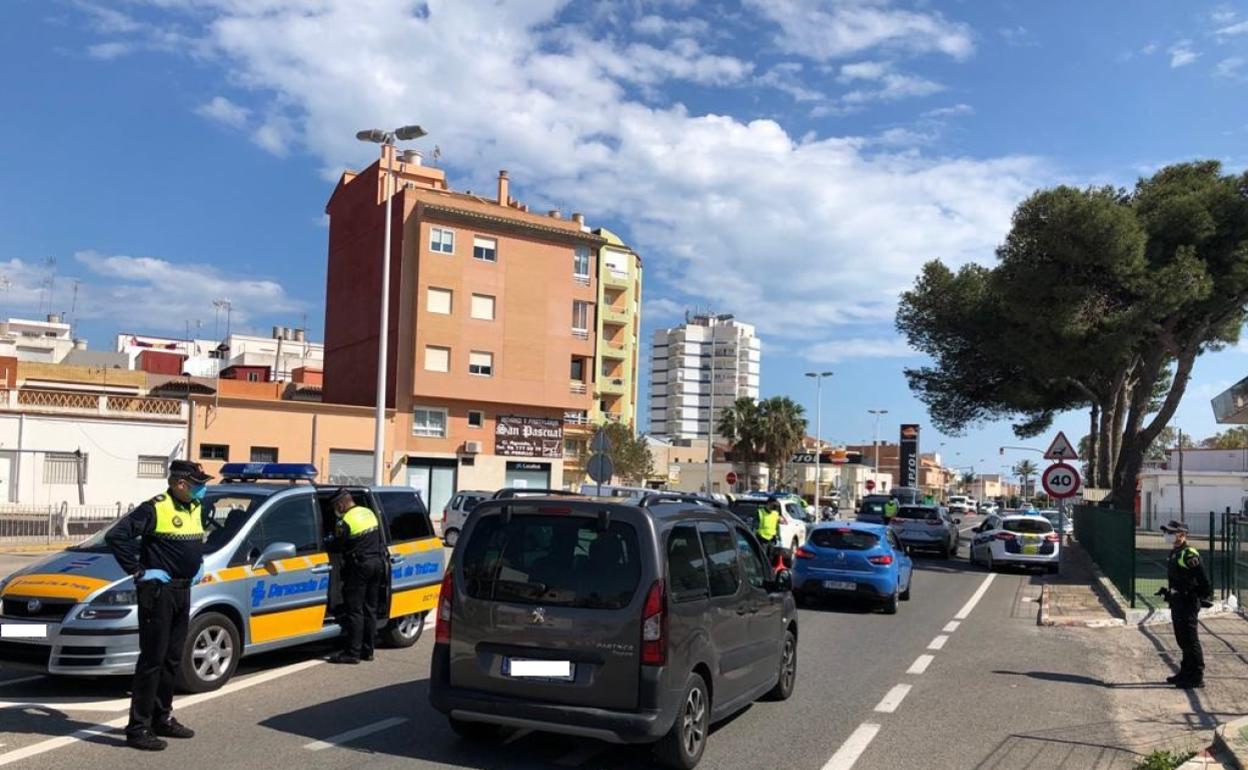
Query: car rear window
pixel 746 512
pixel 844 539
pixel 556 561
pixel 1037 525
pixel 922 514
pixel 406 515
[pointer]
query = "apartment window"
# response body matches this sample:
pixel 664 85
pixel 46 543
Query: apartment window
pixel 63 468
pixel 429 422
pixel 214 452
pixel 483 307
pixel 438 301
pixel 580 264
pixel 253 376
pixel 580 318
pixel 475 418
pixel 485 249
pixel 481 364
pixel 442 240
pixel 264 454
pixel 437 359
pixel 578 370
pixel 153 466
pixel 573 448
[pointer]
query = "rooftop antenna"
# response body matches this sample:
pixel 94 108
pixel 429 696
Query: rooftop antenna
pixel 227 306
pixel 73 307
pixel 50 281
pixel 6 284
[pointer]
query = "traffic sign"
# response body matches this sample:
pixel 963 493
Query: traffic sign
pixel 600 443
pixel 1061 480
pixel 870 484
pixel 600 468
pixel 1061 449
pixel 731 478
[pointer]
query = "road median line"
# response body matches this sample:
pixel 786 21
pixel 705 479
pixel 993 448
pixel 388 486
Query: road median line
pixel 351 735
pixel 920 664
pixel 852 748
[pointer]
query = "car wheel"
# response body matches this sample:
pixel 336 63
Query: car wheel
pixel 788 670
pixel 683 745
pixel 210 654
pixel 451 538
pixel 474 731
pixel 890 604
pixel 989 563
pixel 404 631
pixel 905 595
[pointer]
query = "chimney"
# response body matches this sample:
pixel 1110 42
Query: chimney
pixel 301 335
pixel 277 332
pixel 503 184
pixel 411 157
pixel 554 214
pixel 578 218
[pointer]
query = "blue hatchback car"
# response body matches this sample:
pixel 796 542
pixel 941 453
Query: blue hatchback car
pixel 853 559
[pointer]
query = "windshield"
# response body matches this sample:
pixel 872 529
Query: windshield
pixel 1036 526
pixel 225 513
pixel 844 539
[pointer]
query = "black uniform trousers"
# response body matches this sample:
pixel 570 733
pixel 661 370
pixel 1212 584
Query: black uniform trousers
pixel 361 592
pixel 164 612
pixel 1184 614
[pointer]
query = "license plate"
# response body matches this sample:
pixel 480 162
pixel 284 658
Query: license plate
pixel 23 630
pixel 1031 545
pixel 537 669
pixel 839 585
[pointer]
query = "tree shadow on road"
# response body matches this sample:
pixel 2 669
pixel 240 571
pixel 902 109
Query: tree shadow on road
pixel 1064 678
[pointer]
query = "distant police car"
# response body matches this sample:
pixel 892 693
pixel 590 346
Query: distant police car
pixel 270 580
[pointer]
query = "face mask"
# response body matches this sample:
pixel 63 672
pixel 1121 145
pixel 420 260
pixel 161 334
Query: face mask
pixel 1169 538
pixel 197 491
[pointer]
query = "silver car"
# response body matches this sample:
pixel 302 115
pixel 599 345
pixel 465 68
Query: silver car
pixel 456 512
pixel 269 582
pixel 928 527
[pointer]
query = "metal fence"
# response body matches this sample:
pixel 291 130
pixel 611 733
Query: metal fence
pixel 1239 562
pixel 1109 538
pixel 54 523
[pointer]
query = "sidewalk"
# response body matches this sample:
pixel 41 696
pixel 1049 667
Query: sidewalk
pixel 1079 595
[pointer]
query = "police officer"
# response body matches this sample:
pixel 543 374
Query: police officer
pixel 769 522
pixel 890 510
pixel 1187 591
pixel 160 543
pixel 358 534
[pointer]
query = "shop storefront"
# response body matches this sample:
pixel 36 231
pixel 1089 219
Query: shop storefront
pixel 528 475
pixel 434 478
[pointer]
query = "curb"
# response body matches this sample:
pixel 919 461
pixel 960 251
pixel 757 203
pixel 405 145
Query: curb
pixel 1231 738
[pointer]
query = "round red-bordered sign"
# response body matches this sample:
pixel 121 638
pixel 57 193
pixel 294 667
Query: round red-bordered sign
pixel 731 478
pixel 870 484
pixel 1061 480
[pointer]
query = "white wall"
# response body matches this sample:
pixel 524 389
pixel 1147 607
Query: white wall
pixel 112 448
pixel 1203 491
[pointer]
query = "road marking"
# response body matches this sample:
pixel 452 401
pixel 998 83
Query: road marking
pixel 975 597
pixel 580 756
pixel 893 699
pixel 351 735
pixel 951 626
pixel 17 755
pixel 23 680
pixel 920 664
pixel 938 643
pixel 852 748
pixel 68 704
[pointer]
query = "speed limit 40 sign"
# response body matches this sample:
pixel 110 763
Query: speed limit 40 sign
pixel 1061 480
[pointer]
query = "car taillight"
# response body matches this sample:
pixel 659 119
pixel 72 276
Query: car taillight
pixel 446 602
pixel 1052 537
pixel 882 560
pixel 803 553
pixel 654 627
pixel 1005 536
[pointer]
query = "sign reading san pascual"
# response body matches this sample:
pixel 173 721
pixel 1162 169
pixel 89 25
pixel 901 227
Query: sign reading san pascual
pixel 516 436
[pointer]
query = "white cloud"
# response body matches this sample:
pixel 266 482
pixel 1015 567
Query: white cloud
pixel 1019 37
pixel 224 111
pixel 955 111
pixel 1230 67
pixel 888 84
pixel 724 209
pixel 834 351
pixel 1182 54
pixel 1223 14
pixel 111 50
pixel 786 78
pixel 831 29
pixel 658 26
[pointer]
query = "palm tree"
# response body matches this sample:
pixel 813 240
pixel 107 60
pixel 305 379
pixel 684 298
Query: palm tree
pixel 741 426
pixel 783 428
pixel 1025 470
pixel 968 478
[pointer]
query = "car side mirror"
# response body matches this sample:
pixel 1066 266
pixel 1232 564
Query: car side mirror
pixel 783 580
pixel 274 552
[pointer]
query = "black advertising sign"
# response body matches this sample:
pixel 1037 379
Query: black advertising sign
pixel 909 475
pixel 528 437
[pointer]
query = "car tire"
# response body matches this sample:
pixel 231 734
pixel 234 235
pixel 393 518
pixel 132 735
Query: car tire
pixel 683 745
pixel 474 732
pixel 890 604
pixel 450 537
pixel 989 563
pixel 404 631
pixel 210 654
pixel 905 595
pixel 787 678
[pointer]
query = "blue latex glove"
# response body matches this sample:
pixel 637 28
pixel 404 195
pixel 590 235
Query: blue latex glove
pixel 155 574
pixel 199 574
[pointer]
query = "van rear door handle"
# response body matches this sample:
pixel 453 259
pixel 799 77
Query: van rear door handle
pixel 320 569
pixel 396 559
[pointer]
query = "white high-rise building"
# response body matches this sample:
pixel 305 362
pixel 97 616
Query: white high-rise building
pixel 680 373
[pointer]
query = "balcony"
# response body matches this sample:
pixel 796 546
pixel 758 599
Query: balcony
pixel 614 349
pixel 611 386
pixel 612 314
pixel 576 386
pixel 619 280
pixel 93 404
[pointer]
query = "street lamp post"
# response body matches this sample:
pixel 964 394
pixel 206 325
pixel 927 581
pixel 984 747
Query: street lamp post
pixel 710 422
pixel 875 440
pixel 818 378
pixel 385 139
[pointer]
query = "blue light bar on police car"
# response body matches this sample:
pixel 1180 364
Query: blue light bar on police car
pixel 269 471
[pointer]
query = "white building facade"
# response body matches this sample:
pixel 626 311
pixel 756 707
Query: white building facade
pixel 708 353
pixel 46 342
pixel 285 351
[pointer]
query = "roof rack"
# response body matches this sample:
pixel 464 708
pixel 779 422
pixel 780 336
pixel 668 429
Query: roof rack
pixel 292 472
pixel 666 497
pixel 508 493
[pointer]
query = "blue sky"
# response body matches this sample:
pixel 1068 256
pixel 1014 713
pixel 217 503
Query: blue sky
pixel 792 161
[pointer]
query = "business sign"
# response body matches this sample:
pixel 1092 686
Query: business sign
pixel 516 436
pixel 831 457
pixel 909 456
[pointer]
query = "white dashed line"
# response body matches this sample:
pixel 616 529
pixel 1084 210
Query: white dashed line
pixel 920 664
pixel 975 597
pixel 852 748
pixel 351 735
pixel 951 626
pixel 893 699
pixel 938 643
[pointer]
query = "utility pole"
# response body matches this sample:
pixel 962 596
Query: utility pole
pixel 875 440
pixel 1182 500
pixel 710 423
pixel 818 378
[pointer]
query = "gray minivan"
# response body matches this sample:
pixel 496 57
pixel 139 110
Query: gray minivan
pixel 629 623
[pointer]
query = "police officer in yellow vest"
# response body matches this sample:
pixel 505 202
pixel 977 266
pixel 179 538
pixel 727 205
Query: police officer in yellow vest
pixel 769 521
pixel 160 543
pixel 358 533
pixel 1187 590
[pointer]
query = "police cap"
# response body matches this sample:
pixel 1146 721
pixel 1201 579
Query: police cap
pixel 340 494
pixel 1173 526
pixel 193 472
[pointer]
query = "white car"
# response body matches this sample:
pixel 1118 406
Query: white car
pixel 1023 541
pixel 456 513
pixel 792 518
pixel 959 504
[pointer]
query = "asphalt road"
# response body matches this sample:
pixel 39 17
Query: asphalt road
pixel 997 693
